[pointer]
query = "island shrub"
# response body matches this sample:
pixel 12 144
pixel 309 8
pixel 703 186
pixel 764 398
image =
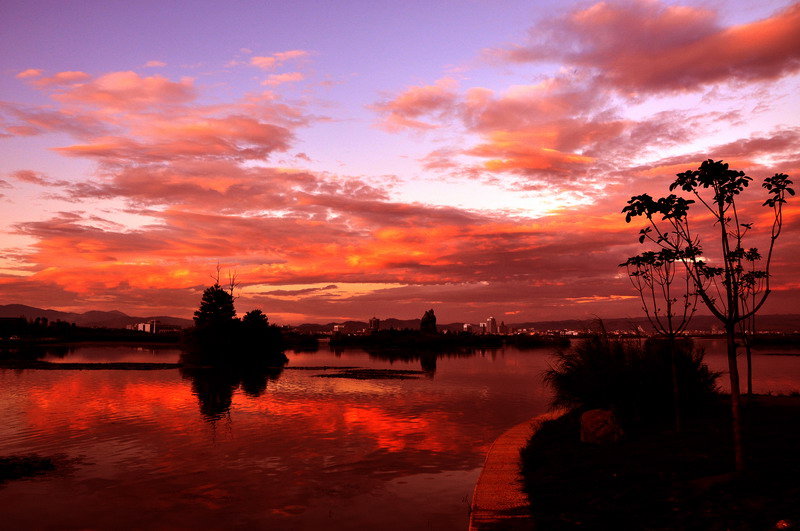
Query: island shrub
pixel 629 377
pixel 219 337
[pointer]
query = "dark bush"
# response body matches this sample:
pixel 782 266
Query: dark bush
pixel 631 378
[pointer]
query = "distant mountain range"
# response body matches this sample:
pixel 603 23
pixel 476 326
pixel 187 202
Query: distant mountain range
pixel 116 319
pixel 113 319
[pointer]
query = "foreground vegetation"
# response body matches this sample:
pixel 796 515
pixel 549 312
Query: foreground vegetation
pixel 630 378
pixel 656 474
pixel 659 479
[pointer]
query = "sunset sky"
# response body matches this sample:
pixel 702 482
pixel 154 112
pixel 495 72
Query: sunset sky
pixel 350 159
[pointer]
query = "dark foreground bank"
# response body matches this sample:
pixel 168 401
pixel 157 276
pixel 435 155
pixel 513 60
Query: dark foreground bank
pixel 658 479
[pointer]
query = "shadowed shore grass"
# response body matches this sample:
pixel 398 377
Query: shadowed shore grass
pixel 24 466
pixel 658 479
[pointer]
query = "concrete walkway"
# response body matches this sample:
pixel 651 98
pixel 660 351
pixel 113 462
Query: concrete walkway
pixel 499 502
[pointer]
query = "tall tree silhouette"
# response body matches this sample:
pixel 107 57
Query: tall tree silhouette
pixel 718 190
pixel 427 324
pixel 216 307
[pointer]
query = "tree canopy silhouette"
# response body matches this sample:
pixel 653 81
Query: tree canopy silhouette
pixel 219 337
pixel 734 288
pixel 427 324
pixel 216 307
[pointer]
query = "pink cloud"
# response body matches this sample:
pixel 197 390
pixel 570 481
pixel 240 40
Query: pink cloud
pixel 62 79
pixel 120 91
pixel 32 177
pixel 196 172
pixel 649 46
pixel 22 130
pixel 265 63
pixel 270 62
pixel 121 116
pixel 291 54
pixel 278 79
pixel 405 110
pixel 34 121
pixel 154 64
pixel 236 137
pixel 31 72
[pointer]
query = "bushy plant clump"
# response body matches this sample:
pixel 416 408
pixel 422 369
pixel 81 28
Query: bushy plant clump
pixel 630 377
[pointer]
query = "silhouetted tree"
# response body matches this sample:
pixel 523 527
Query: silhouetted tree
pixel 216 308
pixel 427 324
pixel 719 287
pixel 256 320
pixel 219 337
pixel 257 335
pixel 668 300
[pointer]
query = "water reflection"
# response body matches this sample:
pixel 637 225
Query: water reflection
pixel 214 385
pixel 35 352
pixel 428 359
pixel 300 452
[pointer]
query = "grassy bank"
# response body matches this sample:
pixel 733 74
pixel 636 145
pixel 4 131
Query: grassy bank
pixel 658 479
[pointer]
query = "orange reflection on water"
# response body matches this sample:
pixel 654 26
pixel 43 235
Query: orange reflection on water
pixel 81 403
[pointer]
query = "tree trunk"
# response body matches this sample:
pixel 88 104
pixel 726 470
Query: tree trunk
pixel 733 368
pixel 675 387
pixel 749 370
pixel 748 345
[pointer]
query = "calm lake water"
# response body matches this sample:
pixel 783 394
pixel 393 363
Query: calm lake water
pixel 178 449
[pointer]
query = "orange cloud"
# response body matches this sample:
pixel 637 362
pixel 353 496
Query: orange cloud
pixel 120 91
pixel 514 151
pixel 195 178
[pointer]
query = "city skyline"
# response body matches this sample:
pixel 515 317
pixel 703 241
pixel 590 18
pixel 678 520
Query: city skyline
pixel 343 161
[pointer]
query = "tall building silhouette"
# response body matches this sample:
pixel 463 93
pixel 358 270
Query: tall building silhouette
pixel 374 324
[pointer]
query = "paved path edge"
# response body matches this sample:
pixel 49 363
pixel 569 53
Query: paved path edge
pixel 498 501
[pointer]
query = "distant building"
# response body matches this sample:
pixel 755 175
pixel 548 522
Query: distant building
pixel 483 328
pixel 467 327
pixel 491 325
pixel 154 327
pixel 374 324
